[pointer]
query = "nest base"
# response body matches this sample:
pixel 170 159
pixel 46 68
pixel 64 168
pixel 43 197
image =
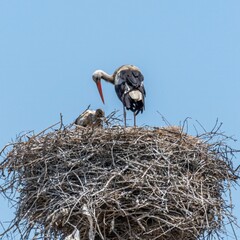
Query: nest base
pixel 119 183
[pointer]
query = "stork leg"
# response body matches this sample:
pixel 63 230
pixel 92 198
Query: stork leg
pixel 134 117
pixel 124 116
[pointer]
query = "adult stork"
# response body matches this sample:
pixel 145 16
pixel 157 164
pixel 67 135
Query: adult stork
pixel 128 82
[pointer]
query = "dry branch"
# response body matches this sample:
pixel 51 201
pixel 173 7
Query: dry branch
pixel 117 183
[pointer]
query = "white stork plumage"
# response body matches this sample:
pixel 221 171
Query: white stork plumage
pixel 128 82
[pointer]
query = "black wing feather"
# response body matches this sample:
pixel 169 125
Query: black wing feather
pixel 130 80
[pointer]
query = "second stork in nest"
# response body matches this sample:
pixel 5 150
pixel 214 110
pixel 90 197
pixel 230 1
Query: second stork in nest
pixel 91 118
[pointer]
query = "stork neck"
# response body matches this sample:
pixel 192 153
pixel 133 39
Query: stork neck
pixel 107 77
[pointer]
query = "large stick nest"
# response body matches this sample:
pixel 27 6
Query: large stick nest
pixel 117 183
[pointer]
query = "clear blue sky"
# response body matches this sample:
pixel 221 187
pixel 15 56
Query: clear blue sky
pixel 188 51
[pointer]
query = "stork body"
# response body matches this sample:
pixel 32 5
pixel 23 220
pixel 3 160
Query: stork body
pixel 128 82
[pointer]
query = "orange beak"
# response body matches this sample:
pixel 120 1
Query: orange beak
pixel 99 86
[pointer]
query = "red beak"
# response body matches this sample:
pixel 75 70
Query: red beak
pixel 99 86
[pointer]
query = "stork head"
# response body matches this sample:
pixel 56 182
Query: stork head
pixel 99 113
pixel 97 76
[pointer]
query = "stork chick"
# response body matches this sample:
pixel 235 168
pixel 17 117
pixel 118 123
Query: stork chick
pixel 91 118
